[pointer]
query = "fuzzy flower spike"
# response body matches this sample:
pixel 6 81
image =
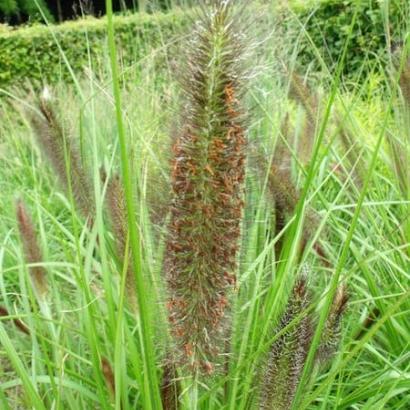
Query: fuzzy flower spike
pixel 32 249
pixel 63 155
pixel 208 171
pixel 288 353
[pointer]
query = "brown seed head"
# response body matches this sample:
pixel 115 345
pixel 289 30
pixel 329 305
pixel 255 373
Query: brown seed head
pixel 32 251
pixel 108 375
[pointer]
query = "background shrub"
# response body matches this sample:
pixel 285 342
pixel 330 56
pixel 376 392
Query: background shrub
pixel 37 53
pixel 32 52
pixel 29 9
pixel 378 25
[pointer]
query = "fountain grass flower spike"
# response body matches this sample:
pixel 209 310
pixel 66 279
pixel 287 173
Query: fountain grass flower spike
pixel 32 249
pixel 208 172
pixel 333 328
pixel 63 155
pixel 288 353
pixel 117 210
pixel 404 82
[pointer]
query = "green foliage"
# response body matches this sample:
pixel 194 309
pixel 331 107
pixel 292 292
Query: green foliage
pixel 8 7
pixel 327 24
pixel 29 7
pixel 32 53
pixel 36 53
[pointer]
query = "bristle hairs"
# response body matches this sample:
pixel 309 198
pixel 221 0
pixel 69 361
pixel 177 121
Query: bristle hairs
pixel 207 180
pixel 204 21
pixel 32 249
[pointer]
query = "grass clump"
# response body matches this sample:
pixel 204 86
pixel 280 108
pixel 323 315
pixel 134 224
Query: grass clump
pixel 269 281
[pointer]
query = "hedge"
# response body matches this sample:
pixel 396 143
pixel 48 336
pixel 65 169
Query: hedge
pixel 327 23
pixel 32 52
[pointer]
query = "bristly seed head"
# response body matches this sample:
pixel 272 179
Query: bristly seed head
pixel 404 80
pixel 108 375
pixel 208 172
pixel 63 155
pixel 288 353
pixel 32 250
pixel 301 93
pixel 331 334
pixel 117 210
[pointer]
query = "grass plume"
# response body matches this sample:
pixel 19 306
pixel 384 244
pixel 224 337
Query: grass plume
pixel 117 210
pixel 331 334
pixel 300 93
pixel 288 353
pixel 169 387
pixel 108 375
pixel 32 249
pixel 208 185
pixel 63 155
pixel 404 83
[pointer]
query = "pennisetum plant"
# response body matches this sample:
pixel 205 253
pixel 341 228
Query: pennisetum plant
pixel 280 186
pixel 108 375
pixel 208 171
pixel 206 212
pixel 284 364
pixel 64 156
pixel 34 257
pixel 404 82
